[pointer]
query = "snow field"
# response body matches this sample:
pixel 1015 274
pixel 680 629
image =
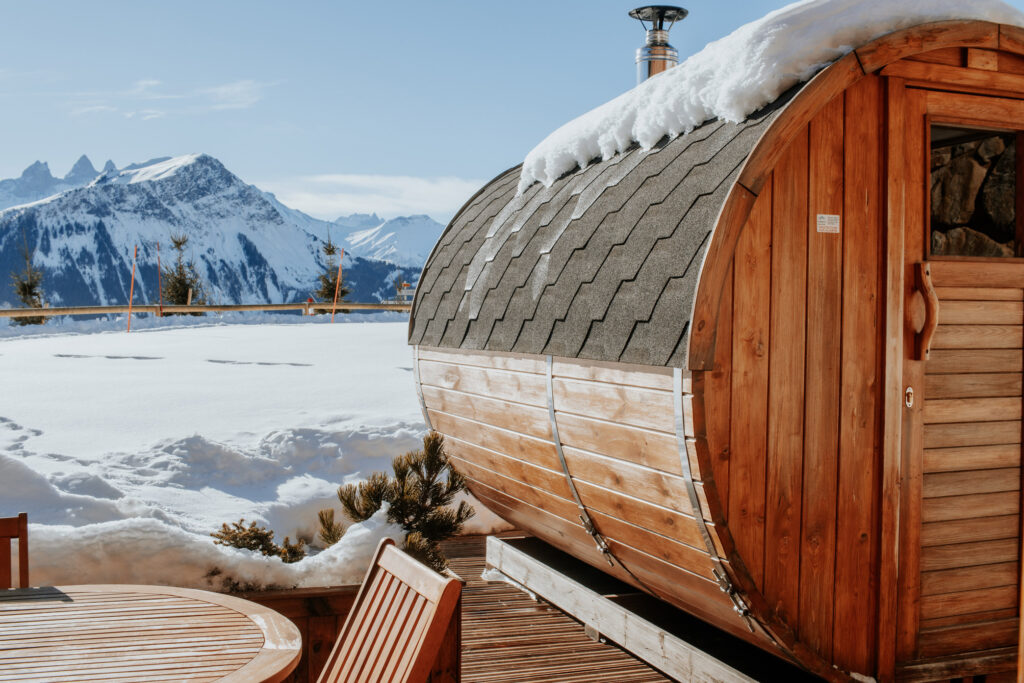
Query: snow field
pixel 128 450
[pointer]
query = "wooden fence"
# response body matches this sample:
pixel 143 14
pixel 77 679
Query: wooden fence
pixel 306 308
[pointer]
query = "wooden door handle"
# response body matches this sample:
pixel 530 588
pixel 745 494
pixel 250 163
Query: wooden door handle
pixel 925 298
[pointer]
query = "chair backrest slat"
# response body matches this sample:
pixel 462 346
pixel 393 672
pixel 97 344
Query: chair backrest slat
pixel 14 528
pixel 397 624
pixel 394 623
pixel 362 616
pixel 373 620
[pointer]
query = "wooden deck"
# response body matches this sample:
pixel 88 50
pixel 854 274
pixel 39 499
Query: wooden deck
pixel 507 637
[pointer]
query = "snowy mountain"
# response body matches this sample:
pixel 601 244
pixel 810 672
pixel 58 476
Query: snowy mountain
pixel 247 246
pixel 36 182
pixel 406 240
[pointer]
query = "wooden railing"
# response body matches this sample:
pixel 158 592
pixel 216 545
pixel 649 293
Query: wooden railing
pixel 307 308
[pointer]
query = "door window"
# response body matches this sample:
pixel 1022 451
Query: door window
pixel 973 192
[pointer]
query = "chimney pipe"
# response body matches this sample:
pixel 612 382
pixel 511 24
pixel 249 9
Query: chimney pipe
pixel 656 55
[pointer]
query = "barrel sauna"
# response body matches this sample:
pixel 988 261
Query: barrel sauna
pixel 768 371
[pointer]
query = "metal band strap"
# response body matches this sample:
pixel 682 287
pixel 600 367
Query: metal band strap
pixel 419 386
pixel 717 568
pixel 588 524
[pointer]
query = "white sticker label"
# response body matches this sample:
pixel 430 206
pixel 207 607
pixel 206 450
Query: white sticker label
pixel 828 223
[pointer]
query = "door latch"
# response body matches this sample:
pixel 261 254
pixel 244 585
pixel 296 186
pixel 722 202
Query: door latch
pixel 908 397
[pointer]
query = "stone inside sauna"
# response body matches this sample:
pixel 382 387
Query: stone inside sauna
pixel 973 190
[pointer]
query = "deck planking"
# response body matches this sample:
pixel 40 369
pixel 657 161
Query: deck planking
pixel 508 637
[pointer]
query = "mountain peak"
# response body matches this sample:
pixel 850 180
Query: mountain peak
pixel 359 221
pixel 82 172
pixel 109 166
pixel 39 171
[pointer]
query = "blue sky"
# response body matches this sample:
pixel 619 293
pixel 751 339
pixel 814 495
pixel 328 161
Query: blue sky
pixel 335 106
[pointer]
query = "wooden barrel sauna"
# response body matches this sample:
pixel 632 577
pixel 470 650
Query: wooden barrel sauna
pixel 769 371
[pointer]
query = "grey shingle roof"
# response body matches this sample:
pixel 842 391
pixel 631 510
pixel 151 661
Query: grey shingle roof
pixel 602 265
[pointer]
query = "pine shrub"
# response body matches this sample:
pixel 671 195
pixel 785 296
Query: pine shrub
pixel 181 277
pixel 28 287
pixel 328 280
pixel 419 496
pixel 258 539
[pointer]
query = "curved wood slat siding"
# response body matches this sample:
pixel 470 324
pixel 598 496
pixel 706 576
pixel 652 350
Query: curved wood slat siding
pixel 637 495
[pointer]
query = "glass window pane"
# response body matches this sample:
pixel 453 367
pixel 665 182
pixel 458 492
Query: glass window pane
pixel 973 192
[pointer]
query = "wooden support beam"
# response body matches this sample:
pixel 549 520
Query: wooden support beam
pixel 637 623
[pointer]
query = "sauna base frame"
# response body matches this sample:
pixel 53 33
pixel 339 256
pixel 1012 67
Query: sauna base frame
pixel 670 640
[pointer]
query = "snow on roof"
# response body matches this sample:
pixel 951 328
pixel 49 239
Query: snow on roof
pixel 735 76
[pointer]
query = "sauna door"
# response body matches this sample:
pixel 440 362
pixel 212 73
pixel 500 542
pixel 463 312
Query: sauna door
pixel 964 308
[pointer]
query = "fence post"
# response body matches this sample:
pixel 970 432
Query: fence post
pixel 131 290
pixel 159 283
pixel 337 285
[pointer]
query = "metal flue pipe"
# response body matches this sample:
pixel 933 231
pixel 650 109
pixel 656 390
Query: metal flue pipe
pixel 656 55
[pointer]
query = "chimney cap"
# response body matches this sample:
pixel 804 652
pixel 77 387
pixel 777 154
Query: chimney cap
pixel 659 14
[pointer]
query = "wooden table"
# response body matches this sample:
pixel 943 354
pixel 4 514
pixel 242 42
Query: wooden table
pixel 153 633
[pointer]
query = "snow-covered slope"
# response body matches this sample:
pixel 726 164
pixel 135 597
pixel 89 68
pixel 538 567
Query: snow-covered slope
pixel 734 76
pixel 247 246
pixel 406 240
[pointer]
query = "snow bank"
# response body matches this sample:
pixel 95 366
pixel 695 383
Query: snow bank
pixel 154 552
pixel 736 75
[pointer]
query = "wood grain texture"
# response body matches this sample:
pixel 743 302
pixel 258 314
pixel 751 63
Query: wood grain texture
pixel 717 265
pixel 109 632
pixel 14 531
pixel 996 312
pixel 956 580
pixel 821 431
pixel 950 56
pixel 968 385
pixel 925 38
pixel 974 360
pixel 972 410
pixel 969 530
pixel 949 294
pixel 717 396
pixel 972 434
pixel 969 554
pixel 946 76
pixel 397 624
pixel 859 446
pixel 978 336
pixel 751 330
pixel 784 494
pixel 966 638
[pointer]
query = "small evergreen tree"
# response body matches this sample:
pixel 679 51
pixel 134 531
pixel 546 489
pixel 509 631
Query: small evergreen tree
pixel 28 287
pixel 181 277
pixel 258 539
pixel 419 496
pixel 328 279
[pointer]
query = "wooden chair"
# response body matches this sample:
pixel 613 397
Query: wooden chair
pixel 404 625
pixel 11 528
